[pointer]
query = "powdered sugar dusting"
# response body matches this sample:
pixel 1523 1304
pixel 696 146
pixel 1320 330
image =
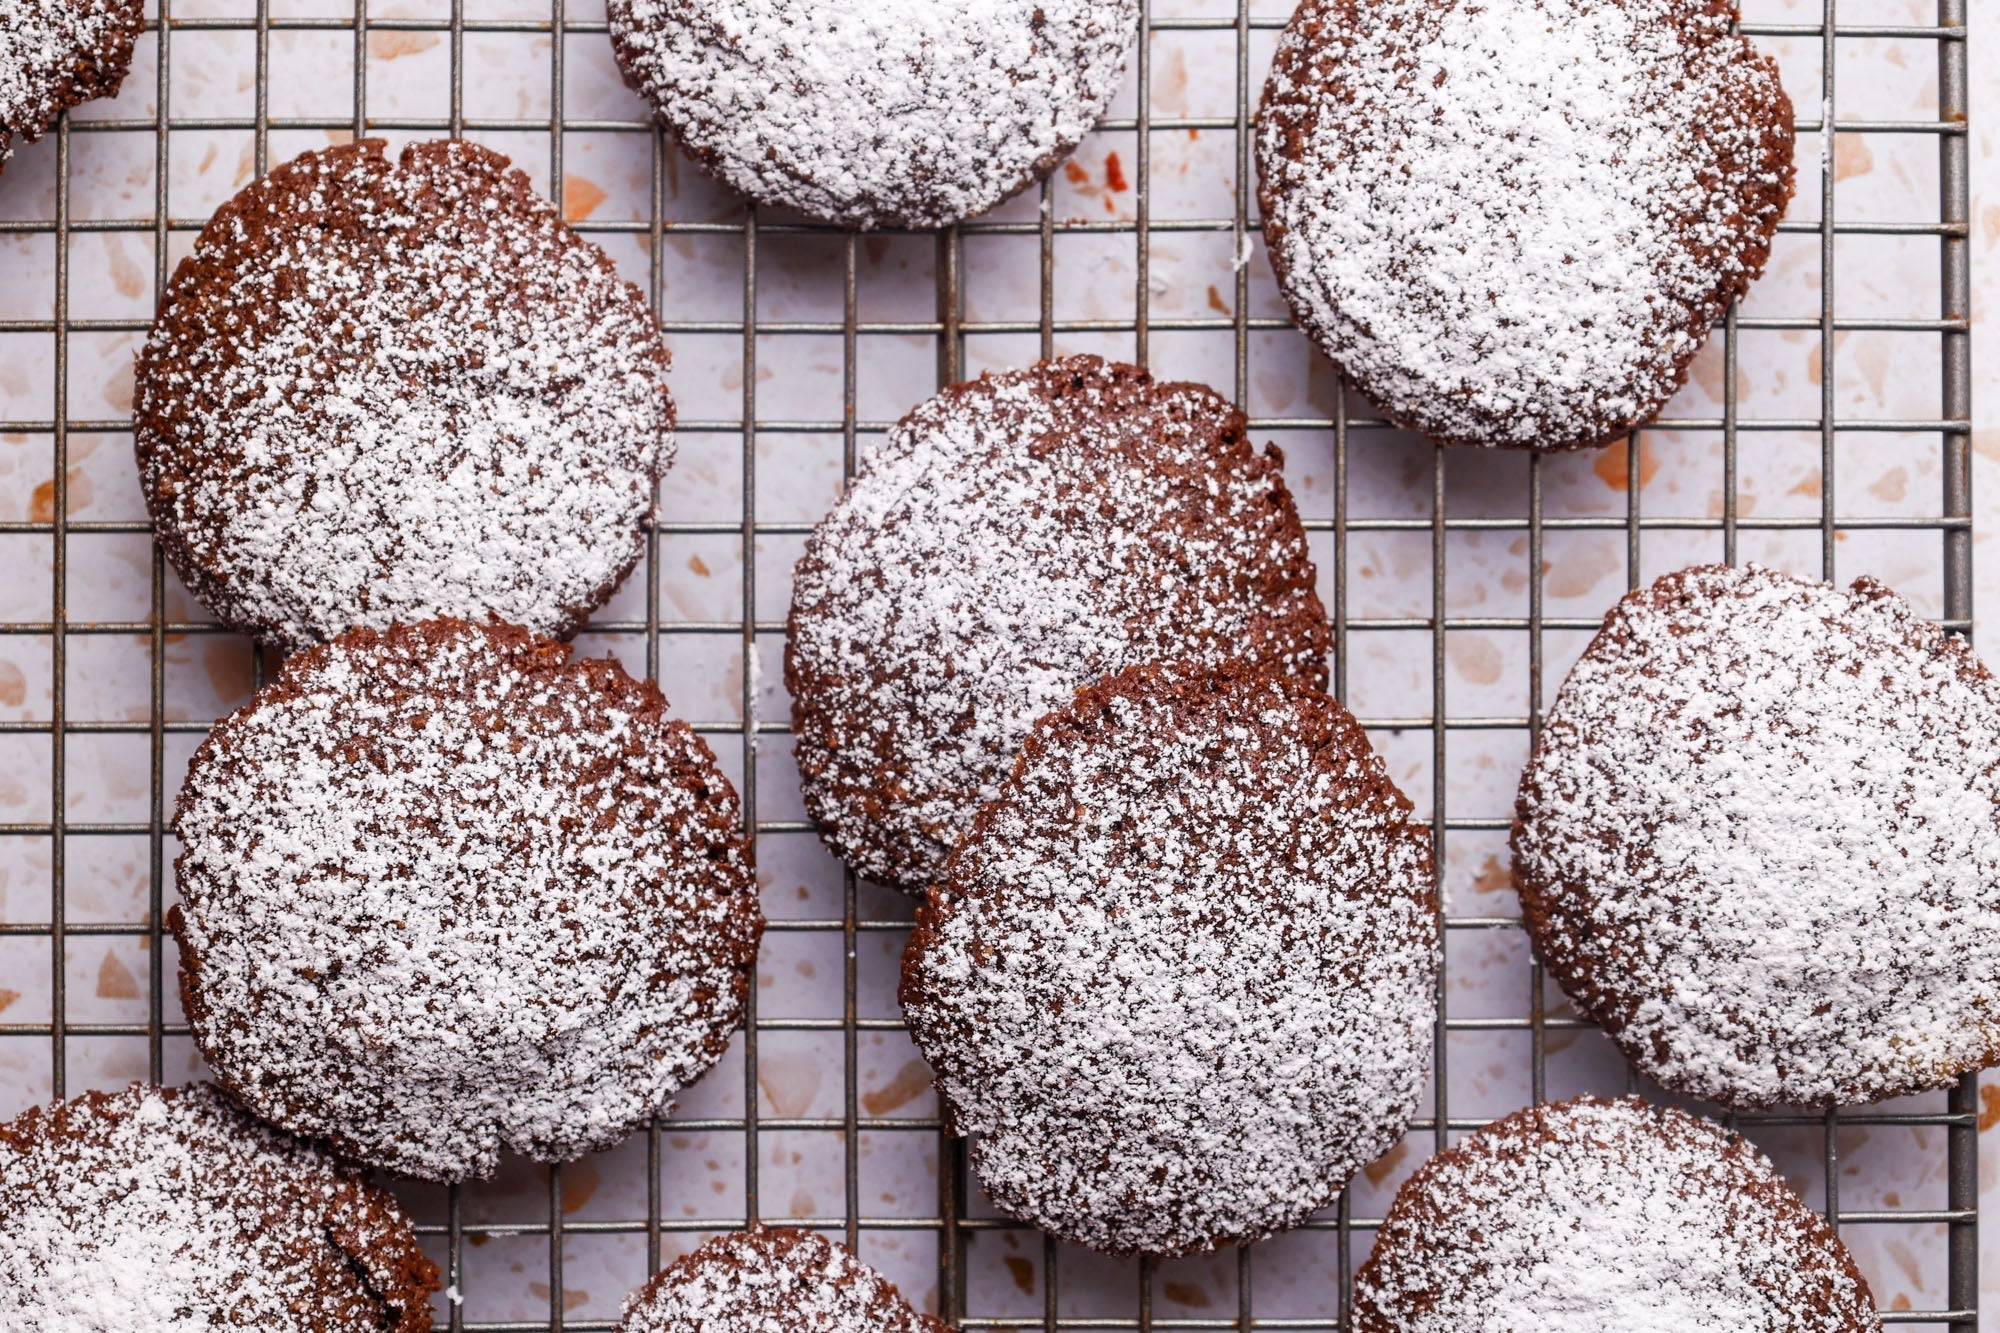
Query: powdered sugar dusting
pixel 772 1281
pixel 385 392
pixel 57 53
pixel 167 1208
pixel 1514 221
pixel 1177 984
pixel 1760 840
pixel 871 112
pixel 1590 1215
pixel 446 892
pixel 1012 540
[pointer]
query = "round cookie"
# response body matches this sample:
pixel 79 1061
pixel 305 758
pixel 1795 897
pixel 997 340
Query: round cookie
pixel 1178 982
pixel 383 391
pixel 1590 1214
pixel 445 890
pixel 1014 539
pixel 167 1208
pixel 1759 841
pixel 764 1279
pixel 868 113
pixel 1514 222
pixel 56 54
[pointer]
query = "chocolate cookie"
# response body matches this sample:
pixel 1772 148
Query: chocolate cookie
pixel 380 392
pixel 56 54
pixel 867 113
pixel 1016 538
pixel 760 1280
pixel 445 890
pixel 168 1208
pixel 1760 841
pixel 1513 222
pixel 1177 983
pixel 1587 1215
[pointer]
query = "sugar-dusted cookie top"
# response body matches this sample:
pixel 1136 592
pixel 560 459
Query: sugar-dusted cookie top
pixel 1589 1215
pixel 1513 222
pixel 159 1209
pixel 447 890
pixel 1178 982
pixel 916 113
pixel 1760 840
pixel 385 390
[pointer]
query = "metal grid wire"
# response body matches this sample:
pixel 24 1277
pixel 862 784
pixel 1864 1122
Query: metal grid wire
pixel 951 1223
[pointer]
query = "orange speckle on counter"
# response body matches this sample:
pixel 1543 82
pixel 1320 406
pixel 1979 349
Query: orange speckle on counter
pixel 1614 466
pixel 581 197
pixel 908 1084
pixel 7 998
pixel 1114 173
pixel 231 668
pixel 1851 157
pixel 579 1183
pixel 1077 175
pixel 1216 303
pixel 396 45
pixel 13 689
pixel 126 277
pixel 115 980
pixel 1906 1259
pixel 1493 876
pixel 789 1083
pixel 572 1297
pixel 1023 1273
pixel 1379 1170
pixel 1475 657
pixel 1891 486
pixel 1191 1294
pixel 42 506
pixel 1989 1107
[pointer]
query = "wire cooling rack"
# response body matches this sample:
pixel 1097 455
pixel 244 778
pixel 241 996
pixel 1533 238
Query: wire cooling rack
pixel 942 1238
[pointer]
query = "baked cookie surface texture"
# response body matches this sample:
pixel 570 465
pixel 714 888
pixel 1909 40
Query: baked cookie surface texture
pixel 771 1279
pixel 1513 222
pixel 1012 540
pixel 382 391
pixel 1759 841
pixel 57 54
pixel 169 1208
pixel 446 890
pixel 1592 1215
pixel 914 113
pixel 1177 984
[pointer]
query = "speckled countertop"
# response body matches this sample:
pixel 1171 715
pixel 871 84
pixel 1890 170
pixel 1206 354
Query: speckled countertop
pixel 610 176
